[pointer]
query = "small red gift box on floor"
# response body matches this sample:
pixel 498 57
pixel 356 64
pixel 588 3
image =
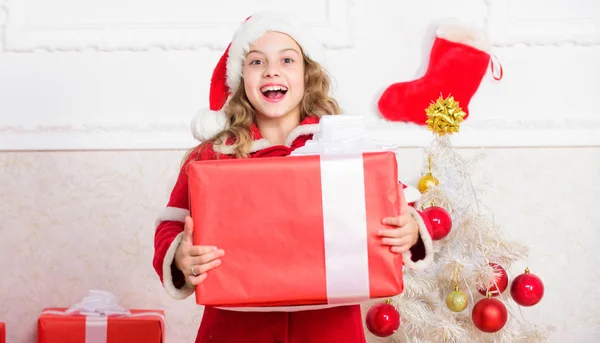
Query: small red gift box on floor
pixel 142 326
pixel 100 319
pixel 297 230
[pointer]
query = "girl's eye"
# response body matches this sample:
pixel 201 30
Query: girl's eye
pixel 255 62
pixel 288 60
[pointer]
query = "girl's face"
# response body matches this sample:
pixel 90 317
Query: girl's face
pixel 273 75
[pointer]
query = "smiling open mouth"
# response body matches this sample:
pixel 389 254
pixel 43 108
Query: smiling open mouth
pixel 274 92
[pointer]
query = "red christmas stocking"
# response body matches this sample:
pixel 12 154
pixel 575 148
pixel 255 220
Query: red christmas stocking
pixel 454 69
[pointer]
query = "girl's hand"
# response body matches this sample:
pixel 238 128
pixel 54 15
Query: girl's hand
pixel 195 260
pixel 403 236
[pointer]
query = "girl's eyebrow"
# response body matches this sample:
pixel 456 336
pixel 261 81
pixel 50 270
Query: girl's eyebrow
pixel 280 51
pixel 289 49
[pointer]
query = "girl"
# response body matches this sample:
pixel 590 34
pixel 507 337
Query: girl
pixel 267 94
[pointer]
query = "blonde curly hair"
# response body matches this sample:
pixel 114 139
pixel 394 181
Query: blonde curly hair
pixel 241 114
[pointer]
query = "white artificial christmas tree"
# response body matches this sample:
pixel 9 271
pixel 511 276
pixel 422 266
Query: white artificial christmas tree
pixel 461 264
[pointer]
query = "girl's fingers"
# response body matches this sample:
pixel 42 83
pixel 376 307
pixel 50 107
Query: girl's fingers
pixel 396 241
pixel 205 258
pixel 394 233
pixel 396 221
pixel 400 249
pixel 203 268
pixel 196 280
pixel 201 271
pixel 198 250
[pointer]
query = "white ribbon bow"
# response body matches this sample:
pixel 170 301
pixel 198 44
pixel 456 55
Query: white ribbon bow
pixel 97 307
pixel 98 303
pixel 341 134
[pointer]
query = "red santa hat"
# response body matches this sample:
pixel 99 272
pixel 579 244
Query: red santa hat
pixel 227 74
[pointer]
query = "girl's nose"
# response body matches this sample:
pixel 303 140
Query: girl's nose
pixel 272 71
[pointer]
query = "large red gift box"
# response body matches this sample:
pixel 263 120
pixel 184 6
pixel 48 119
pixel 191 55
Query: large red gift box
pixel 297 230
pixel 142 326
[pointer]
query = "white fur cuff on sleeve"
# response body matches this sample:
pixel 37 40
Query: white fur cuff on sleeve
pixel 411 194
pixel 427 242
pixel 172 214
pixel 176 293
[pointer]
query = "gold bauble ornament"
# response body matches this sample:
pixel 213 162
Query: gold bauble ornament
pixel 426 182
pixel 457 300
pixel 428 179
pixel 444 116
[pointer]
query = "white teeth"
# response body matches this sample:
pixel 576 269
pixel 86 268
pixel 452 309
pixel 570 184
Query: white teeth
pixel 273 88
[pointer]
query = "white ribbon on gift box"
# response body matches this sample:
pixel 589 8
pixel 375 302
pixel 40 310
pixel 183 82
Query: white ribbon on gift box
pixel 340 142
pixel 97 307
pixel 345 229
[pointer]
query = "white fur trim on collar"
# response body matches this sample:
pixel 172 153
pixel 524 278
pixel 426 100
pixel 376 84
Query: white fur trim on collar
pixel 306 129
pixel 254 28
pixel 262 143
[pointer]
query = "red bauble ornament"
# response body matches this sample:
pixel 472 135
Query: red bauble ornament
pixel 440 220
pixel 500 283
pixel 527 289
pixel 383 320
pixel 489 315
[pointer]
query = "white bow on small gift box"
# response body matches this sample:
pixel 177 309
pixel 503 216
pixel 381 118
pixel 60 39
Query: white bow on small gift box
pixel 97 307
pixel 98 303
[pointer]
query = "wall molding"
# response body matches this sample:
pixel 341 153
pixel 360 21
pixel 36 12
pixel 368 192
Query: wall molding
pixel 176 135
pixel 97 136
pixel 506 28
pixel 499 133
pixel 21 35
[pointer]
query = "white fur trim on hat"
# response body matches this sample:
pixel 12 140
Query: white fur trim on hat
pixel 206 124
pixel 254 28
pixel 465 34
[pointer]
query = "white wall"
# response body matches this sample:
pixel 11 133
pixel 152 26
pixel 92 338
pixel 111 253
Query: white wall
pixel 125 76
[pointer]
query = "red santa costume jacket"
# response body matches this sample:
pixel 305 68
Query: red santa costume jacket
pixel 338 324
